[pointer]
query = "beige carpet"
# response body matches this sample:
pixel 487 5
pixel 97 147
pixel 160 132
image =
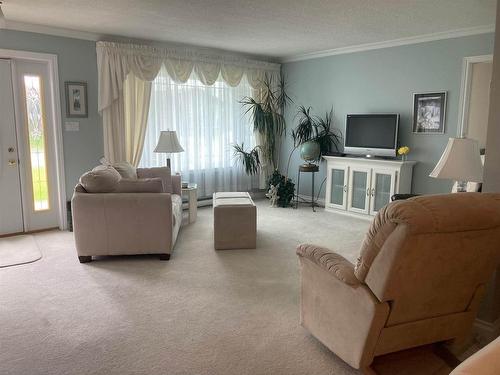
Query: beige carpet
pixel 18 250
pixel 203 312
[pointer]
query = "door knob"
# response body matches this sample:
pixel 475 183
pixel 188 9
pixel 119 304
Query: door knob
pixel 10 149
pixel 12 162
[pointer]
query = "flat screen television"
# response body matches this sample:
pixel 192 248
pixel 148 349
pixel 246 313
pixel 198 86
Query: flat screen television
pixel 371 134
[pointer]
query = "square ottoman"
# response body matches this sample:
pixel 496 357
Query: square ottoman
pixel 235 221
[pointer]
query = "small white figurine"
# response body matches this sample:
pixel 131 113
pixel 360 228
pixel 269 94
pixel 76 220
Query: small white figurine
pixel 272 194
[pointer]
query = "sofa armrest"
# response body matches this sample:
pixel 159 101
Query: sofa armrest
pixel 122 223
pixel 176 184
pixel 333 263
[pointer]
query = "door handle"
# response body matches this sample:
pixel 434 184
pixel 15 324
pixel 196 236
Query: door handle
pixel 12 162
pixel 368 192
pixel 345 188
pixel 373 192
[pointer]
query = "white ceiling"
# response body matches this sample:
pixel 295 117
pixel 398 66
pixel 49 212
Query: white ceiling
pixel 275 28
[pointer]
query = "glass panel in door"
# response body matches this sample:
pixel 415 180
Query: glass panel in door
pixel 382 194
pixel 359 186
pixel 36 141
pixel 338 187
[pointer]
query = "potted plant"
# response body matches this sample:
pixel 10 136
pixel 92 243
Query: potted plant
pixel 269 123
pixel 314 136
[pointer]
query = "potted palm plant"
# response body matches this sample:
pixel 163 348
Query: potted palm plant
pixel 268 120
pixel 314 136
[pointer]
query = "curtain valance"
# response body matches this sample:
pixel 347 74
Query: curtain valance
pixel 116 60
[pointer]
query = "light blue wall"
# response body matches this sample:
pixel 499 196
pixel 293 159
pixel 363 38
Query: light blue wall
pixel 77 62
pixel 384 80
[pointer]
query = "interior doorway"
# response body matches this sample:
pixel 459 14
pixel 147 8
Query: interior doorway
pixel 475 98
pixel 32 192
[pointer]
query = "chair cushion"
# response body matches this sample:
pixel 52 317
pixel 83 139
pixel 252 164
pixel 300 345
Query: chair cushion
pixel 126 170
pixel 101 179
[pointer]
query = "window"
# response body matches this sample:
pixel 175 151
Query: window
pixel 36 136
pixel 208 121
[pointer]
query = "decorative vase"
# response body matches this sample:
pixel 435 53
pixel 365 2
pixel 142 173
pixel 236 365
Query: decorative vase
pixel 309 151
pixel 404 157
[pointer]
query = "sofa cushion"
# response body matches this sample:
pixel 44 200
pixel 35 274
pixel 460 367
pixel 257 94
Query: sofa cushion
pixel 126 170
pixel 157 172
pixel 141 185
pixel 101 179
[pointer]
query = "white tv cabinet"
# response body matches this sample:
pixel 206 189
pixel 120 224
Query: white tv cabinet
pixel 362 186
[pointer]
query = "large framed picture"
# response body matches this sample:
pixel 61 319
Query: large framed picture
pixel 76 99
pixel 429 112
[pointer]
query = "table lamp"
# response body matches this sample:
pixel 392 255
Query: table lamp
pixel 461 161
pixel 168 144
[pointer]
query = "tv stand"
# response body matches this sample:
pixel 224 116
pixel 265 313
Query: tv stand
pixel 362 186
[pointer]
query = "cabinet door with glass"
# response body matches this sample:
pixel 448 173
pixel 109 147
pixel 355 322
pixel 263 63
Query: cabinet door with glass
pixel 359 190
pixel 337 187
pixel 382 189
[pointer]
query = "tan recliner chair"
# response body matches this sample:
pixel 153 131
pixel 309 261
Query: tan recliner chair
pixel 419 279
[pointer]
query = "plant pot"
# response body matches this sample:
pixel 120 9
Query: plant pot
pixel 310 151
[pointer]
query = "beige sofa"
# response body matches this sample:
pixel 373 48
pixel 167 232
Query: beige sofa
pixel 124 216
pixel 419 278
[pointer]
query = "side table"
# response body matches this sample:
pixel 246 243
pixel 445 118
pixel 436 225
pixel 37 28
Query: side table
pixel 306 168
pixel 191 191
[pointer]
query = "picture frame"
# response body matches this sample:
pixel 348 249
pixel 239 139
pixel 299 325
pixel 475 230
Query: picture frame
pixel 429 112
pixel 76 99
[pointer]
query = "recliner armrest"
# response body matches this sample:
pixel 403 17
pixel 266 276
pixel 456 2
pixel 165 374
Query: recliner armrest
pixel 332 262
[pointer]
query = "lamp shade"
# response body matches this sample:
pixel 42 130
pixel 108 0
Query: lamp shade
pixel 461 161
pixel 168 142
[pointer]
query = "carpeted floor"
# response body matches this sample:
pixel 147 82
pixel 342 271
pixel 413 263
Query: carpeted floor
pixel 203 312
pixel 18 250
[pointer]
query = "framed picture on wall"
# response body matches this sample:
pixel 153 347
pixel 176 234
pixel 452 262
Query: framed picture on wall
pixel 76 99
pixel 429 112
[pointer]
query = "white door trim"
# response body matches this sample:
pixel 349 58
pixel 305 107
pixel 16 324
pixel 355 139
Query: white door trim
pixel 465 88
pixel 55 109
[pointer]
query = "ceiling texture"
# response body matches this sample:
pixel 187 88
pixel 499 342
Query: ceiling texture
pixel 280 29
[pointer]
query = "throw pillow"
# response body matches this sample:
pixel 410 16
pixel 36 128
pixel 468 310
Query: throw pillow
pixel 101 179
pixel 126 170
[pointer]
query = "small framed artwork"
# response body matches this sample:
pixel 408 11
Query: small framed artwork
pixel 76 99
pixel 429 112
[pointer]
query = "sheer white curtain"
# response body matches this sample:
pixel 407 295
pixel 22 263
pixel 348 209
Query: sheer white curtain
pixel 208 121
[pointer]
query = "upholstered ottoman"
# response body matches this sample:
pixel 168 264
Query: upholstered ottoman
pixel 235 221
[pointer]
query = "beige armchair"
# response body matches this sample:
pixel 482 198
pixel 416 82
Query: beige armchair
pixel 419 278
pixel 131 216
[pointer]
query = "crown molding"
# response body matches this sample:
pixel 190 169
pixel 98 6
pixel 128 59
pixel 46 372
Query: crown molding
pixel 51 30
pixel 392 43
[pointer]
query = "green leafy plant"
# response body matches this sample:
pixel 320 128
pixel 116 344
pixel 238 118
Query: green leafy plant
pixel 286 188
pixel 318 129
pixel 267 113
pixel 249 159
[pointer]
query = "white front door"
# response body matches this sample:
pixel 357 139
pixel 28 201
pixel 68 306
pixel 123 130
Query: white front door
pixel 28 179
pixel 11 214
pixel 36 143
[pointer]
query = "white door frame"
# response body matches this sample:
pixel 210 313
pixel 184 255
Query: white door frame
pixel 464 103
pixel 55 110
